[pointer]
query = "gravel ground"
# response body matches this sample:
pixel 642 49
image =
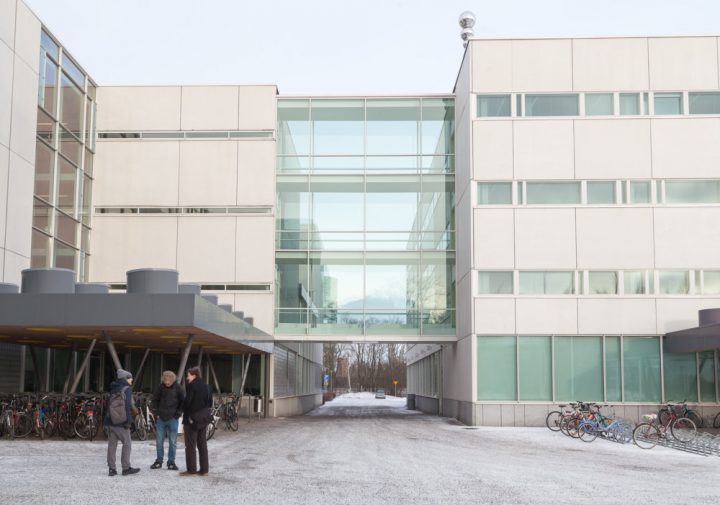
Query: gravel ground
pixel 358 450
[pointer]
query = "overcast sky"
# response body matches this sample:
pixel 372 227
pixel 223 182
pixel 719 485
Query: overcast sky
pixel 330 46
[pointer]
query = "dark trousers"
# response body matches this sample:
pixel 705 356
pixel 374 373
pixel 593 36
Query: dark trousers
pixel 196 440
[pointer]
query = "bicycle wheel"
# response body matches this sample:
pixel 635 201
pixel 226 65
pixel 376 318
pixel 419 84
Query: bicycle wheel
pixel 587 433
pixel 49 428
pixel 140 428
pixel 82 426
pixel 664 416
pixel 716 421
pixel 695 417
pixel 683 429
pixel 646 435
pixel 572 427
pixel 564 425
pixel 210 429
pixel 232 420
pixel 23 426
pixel 552 421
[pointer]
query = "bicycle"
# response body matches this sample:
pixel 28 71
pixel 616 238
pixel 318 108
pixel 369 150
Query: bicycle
pixel 596 424
pixel 85 423
pixel 647 435
pixel 682 411
pixel 14 421
pixel 225 410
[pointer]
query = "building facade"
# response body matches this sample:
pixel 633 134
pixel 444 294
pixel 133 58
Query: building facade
pixel 532 236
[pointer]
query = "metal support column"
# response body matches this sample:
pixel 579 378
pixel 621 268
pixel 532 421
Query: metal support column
pixel 84 365
pixel 139 372
pixel 200 357
pixel 112 351
pixel 212 371
pixel 69 368
pixel 184 357
pixel 36 369
pixel 246 366
pixel 48 368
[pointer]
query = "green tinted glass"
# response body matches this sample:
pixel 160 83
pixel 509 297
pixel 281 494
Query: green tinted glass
pixel 642 369
pixel 535 368
pixel 496 368
pixel 578 368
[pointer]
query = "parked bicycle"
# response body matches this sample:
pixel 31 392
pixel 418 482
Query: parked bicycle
pixel 225 410
pixel 649 433
pixel 681 410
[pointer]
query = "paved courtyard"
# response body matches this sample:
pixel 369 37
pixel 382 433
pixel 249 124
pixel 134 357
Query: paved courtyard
pixel 358 450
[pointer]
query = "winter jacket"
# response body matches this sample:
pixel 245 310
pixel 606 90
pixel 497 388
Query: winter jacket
pixel 168 401
pixel 198 396
pixel 116 386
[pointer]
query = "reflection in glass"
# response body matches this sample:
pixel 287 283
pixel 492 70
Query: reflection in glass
pixel 293 127
pixel 494 193
pixel 497 368
pixel 601 192
pixel 44 171
pixel 629 104
pixel 86 200
pixel 680 377
pixel 711 282
pixel 551 105
pixel 72 111
pixel 602 283
pixel 438 126
pixel 668 103
pixel 392 126
pixel 640 191
pixel 578 368
pixel 535 358
pixel 495 283
pixel 338 127
pixel 47 89
pixel 40 250
pixel 391 280
pixel 70 147
pixel 337 280
pixel 66 187
pixel 704 103
pixel 66 228
pixel 674 283
pixel 64 256
pixel 706 365
pixel 41 215
pixel 698 191
pixel 46 127
pixel 634 282
pixel 546 283
pixel 49 45
pixel 613 369
pixel 598 104
pixel 564 193
pixel 493 105
pixel 642 369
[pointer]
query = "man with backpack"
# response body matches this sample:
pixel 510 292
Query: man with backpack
pixel 118 421
pixel 167 404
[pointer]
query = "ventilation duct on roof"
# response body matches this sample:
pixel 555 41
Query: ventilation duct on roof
pixel 48 281
pixel 152 281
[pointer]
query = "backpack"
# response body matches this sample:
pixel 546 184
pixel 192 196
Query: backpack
pixel 117 408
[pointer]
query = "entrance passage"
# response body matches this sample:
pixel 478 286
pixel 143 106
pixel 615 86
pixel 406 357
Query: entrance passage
pixel 364 405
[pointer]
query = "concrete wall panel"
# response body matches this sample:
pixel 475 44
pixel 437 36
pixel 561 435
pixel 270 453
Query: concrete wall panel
pixel 597 316
pixel 610 64
pixel 547 316
pixel 687 238
pixel 494 316
pixel 494 238
pixel 7 22
pixel 542 65
pixel 24 110
pixel 19 205
pixel 257 108
pixel 256 173
pixel 687 147
pixel 206 249
pixel 13 265
pixel 255 249
pixel 260 307
pixel 27 37
pixel 612 238
pixel 6 85
pixel 492 150
pixel 208 173
pixel 209 108
pixel 492 69
pixel 544 149
pixel 679 63
pixel 134 108
pixel 612 148
pixel 545 239
pixel 674 314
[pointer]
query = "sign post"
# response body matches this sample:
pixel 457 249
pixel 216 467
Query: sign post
pixel 395 382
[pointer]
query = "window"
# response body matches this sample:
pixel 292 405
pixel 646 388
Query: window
pixel 704 103
pixel 706 364
pixel 495 283
pixel 674 282
pixel 601 192
pixel 613 371
pixel 711 282
pixel 598 104
pixel 493 105
pixel 680 376
pixel 642 369
pixel 551 105
pixel 602 283
pixel 578 368
pixel 635 282
pixel 546 283
pixel 668 103
pixel 494 193
pixel 699 191
pixel 566 193
pixel 496 368
pixel 535 368
pixel 640 192
pixel 629 104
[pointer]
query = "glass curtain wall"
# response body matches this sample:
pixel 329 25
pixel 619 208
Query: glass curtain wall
pixel 365 228
pixel 591 368
pixel 65 147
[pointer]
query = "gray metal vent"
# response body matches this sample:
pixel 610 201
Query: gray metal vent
pixel 152 281
pixel 48 281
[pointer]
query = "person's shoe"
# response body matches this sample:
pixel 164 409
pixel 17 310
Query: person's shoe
pixel 202 474
pixel 112 472
pixel 156 465
pixel 172 466
pixel 130 471
pixel 187 473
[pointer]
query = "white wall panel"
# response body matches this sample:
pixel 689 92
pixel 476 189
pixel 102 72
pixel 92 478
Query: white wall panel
pixel 544 149
pixel 208 173
pixel 256 173
pixel 494 316
pixel 546 316
pixel 612 238
pixel 6 83
pixel 206 248
pixel 687 147
pixel 13 265
pixel 610 64
pixel 492 150
pixel 687 237
pixel 464 306
pixel 7 22
pixel 4 172
pixel 209 108
pixel 492 69
pixel 260 307
pixel 119 244
pixel 19 205
pixel 545 239
pixel 255 249
pixel 494 238
pixel 27 37
pixel 675 314
pixel 542 65
pixel 612 148
pixel 24 110
pixel 458 376
pixel 679 63
pixel 136 173
pixel 597 316
pixel 257 108
pixel 136 108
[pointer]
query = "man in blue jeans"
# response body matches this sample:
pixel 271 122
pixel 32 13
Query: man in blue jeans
pixel 167 404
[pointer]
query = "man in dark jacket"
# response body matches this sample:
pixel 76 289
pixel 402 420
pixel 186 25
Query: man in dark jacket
pixel 120 431
pixel 196 409
pixel 167 403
